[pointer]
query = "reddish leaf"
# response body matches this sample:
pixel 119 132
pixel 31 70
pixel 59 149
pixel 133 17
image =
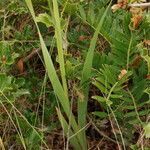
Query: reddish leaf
pixel 147 42
pixel 20 66
pixel 136 19
pixel 148 77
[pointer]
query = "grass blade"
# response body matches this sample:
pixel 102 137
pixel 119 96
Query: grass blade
pixel 50 67
pixel 58 89
pixel 74 141
pixel 82 104
pixel 58 35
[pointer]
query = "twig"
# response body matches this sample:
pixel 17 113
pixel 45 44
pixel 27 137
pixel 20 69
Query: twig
pixel 1 144
pixel 139 5
pixel 103 134
pixel 33 53
pixel 85 127
pixel 135 107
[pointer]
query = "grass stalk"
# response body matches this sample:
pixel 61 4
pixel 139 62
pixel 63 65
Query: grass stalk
pixel 128 51
pixel 1 144
pixel 58 89
pixel 86 74
pixel 16 128
pixel 19 129
pixel 109 106
pixel 58 36
pixel 135 107
pixel 74 141
pixel 22 116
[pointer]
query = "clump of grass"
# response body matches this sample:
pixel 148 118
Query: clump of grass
pixel 75 129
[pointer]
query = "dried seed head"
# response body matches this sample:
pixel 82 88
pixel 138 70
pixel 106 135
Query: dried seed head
pixel 3 59
pixel 122 74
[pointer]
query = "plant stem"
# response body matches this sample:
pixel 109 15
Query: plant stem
pixel 133 99
pixel 139 5
pixel 123 143
pixel 23 117
pixel 58 36
pixel 86 75
pixel 107 99
pixel 1 144
pixel 128 52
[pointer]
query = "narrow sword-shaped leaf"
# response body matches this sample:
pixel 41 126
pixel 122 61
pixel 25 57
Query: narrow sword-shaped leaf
pixel 82 104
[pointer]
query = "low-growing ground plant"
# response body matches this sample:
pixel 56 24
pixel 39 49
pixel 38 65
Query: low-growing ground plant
pixel 74 74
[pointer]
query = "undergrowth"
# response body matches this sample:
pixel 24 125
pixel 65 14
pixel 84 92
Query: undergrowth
pixel 74 74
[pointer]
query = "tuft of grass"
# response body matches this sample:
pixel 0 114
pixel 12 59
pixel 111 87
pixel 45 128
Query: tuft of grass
pixel 58 88
pixel 61 89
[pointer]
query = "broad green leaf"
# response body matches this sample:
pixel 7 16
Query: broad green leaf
pixel 70 8
pixel 46 19
pixel 6 55
pixel 5 83
pixel 147 130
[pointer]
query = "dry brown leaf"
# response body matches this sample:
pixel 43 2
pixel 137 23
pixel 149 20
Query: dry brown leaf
pixel 136 11
pixel 122 74
pixel 136 62
pixel 3 59
pixel 82 38
pixel 115 7
pixel 20 66
pixel 136 19
pixel 121 4
pixel 148 77
pixel 136 16
pixel 147 42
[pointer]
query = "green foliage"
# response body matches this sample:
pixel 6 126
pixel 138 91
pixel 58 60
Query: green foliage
pixel 11 88
pixel 115 93
pixel 7 56
pixel 147 130
pixel 97 63
pixel 46 19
